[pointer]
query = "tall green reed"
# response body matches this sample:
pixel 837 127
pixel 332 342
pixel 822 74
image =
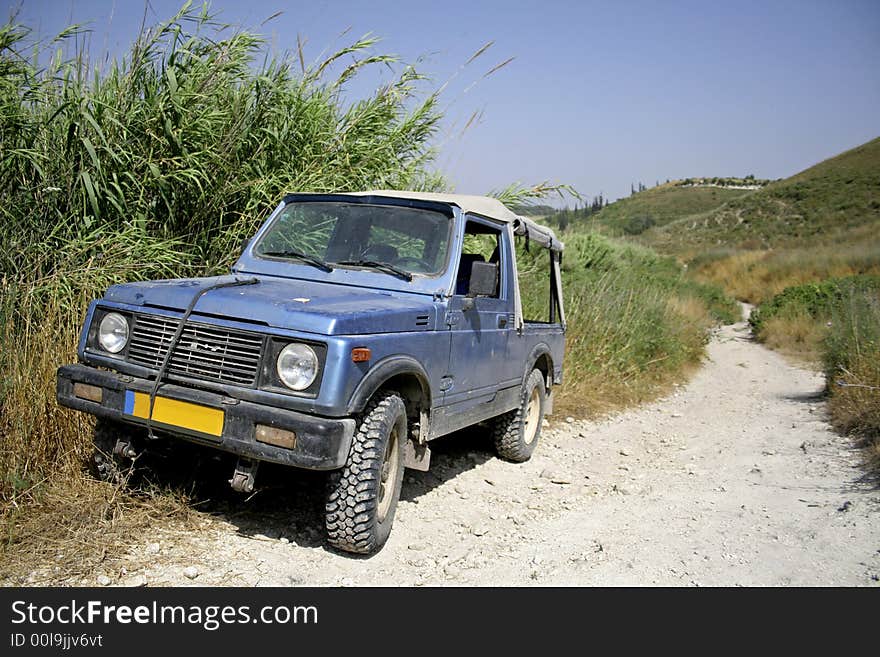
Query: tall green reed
pixel 158 164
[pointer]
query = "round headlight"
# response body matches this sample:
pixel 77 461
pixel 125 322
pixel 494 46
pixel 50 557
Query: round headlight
pixel 113 333
pixel 297 366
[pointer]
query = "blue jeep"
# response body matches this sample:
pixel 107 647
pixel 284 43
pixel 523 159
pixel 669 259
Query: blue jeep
pixel 353 330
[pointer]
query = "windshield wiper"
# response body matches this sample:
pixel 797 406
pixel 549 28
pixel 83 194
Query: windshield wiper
pixel 298 255
pixel 381 266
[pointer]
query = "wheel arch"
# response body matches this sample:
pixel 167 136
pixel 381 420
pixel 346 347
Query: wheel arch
pixel 401 373
pixel 540 358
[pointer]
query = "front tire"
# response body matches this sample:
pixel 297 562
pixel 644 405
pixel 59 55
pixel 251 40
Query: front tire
pixel 363 495
pixel 516 433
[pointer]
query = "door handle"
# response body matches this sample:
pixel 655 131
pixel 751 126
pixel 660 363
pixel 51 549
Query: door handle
pixel 502 321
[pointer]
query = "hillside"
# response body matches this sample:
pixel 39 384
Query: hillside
pixel 836 201
pixel 656 206
pixel 807 250
pixel 665 204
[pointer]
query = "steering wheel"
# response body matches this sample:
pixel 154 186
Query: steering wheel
pixel 424 265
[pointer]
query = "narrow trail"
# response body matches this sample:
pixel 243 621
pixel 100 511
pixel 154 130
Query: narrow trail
pixel 735 479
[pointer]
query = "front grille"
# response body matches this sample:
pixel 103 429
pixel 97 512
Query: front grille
pixel 205 352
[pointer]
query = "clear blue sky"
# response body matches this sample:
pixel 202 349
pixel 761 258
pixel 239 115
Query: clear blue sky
pixel 600 94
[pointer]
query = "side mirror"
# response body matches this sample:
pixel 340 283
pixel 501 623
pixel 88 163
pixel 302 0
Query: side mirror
pixel 484 279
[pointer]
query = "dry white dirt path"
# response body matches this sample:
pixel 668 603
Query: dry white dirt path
pixel 736 479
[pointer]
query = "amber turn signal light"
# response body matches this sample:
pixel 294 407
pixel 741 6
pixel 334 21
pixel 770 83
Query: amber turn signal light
pixel 360 355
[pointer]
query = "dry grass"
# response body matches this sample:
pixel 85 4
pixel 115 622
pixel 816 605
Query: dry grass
pixel 855 404
pixel 631 347
pixel 636 324
pixel 39 439
pixel 852 369
pixel 797 336
pixel 756 276
pixel 66 529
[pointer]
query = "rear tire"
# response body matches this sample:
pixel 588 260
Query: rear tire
pixel 516 433
pixel 363 495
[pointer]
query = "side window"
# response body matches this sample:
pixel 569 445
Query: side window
pixel 481 243
pixel 533 268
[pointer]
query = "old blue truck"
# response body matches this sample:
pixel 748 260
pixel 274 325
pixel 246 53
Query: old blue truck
pixel 353 330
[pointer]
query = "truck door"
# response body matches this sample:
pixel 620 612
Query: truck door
pixel 479 363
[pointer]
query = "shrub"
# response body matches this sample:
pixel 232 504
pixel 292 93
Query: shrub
pixel 851 358
pixel 638 225
pixel 816 300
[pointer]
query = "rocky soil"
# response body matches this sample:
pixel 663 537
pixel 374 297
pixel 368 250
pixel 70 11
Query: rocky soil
pixel 735 479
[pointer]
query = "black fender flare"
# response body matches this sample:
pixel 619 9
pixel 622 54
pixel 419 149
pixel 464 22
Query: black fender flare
pixel 540 349
pixel 381 372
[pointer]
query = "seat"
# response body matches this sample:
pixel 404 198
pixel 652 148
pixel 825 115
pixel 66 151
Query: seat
pixel 462 281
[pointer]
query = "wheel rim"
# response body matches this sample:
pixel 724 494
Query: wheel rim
pixel 388 475
pixel 533 417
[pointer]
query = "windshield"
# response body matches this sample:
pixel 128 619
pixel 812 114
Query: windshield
pixel 332 233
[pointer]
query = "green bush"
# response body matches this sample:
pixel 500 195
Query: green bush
pixel 854 322
pixel 638 224
pixel 818 300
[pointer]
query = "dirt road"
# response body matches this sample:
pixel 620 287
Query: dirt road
pixel 734 479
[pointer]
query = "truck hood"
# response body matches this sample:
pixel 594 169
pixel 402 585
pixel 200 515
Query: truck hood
pixel 292 304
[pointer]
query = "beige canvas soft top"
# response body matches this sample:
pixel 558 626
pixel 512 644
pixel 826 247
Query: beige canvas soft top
pixel 485 206
pixel 492 208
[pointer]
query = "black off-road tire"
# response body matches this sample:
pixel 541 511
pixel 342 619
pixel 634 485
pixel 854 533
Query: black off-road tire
pixel 359 512
pixel 104 464
pixel 516 433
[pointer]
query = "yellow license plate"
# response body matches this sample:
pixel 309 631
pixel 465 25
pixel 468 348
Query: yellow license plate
pixel 175 413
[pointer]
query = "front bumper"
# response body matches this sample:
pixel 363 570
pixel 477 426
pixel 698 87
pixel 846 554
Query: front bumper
pixel 321 443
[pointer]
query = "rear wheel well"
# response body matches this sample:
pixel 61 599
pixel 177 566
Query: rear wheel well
pixel 545 366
